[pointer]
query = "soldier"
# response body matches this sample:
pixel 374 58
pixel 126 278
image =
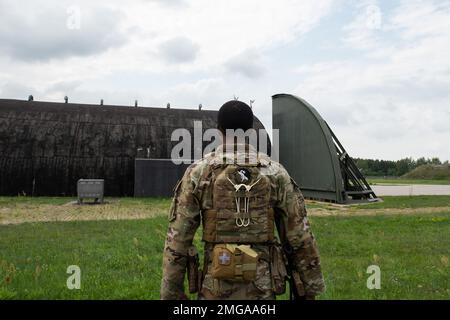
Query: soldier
pixel 240 196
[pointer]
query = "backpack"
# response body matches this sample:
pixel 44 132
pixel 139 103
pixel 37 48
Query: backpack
pixel 241 209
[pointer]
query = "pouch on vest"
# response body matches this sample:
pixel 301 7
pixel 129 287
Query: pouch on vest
pixel 278 269
pixel 234 262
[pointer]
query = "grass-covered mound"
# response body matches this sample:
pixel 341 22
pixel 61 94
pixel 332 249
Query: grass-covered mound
pixel 429 171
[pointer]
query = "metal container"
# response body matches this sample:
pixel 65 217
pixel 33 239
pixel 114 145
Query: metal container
pixel 91 189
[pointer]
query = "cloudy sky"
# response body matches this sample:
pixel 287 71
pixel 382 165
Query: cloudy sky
pixel 377 71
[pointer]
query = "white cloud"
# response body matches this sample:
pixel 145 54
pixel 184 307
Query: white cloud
pixel 362 32
pixel 178 50
pixel 43 31
pixel 394 104
pixel 248 63
pixel 217 32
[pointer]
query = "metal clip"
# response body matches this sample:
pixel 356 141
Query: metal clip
pixel 243 217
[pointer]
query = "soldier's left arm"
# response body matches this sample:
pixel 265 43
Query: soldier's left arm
pixel 184 219
pixel 300 237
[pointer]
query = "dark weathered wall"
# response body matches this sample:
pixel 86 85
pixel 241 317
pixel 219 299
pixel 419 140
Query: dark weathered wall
pixel 156 178
pixel 46 147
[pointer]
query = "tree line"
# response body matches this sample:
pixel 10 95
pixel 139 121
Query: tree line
pixel 370 167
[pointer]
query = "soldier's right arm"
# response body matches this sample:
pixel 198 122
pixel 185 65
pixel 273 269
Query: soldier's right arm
pixel 184 219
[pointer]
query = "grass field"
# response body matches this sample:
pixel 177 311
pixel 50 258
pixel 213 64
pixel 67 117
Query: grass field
pixel 121 259
pixel 408 181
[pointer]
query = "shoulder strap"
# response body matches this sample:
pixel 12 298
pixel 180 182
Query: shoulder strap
pixel 207 179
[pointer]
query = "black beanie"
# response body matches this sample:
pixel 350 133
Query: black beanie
pixel 235 115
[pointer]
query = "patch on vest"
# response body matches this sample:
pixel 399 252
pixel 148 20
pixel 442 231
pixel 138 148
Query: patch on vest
pixel 243 175
pixel 224 258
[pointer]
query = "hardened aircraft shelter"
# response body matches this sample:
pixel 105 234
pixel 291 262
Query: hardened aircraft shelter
pixel 46 147
pixel 313 155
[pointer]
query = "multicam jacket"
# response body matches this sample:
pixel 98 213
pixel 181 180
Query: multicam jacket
pixel 190 201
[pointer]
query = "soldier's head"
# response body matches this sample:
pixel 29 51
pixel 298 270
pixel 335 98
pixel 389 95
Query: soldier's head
pixel 235 115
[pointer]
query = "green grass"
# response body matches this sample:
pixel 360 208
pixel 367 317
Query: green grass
pixel 122 259
pixel 408 181
pixel 411 251
pixel 118 259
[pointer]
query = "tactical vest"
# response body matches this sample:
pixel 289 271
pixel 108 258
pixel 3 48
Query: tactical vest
pixel 241 210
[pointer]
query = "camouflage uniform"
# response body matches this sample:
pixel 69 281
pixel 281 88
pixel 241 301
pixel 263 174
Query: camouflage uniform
pixel 190 201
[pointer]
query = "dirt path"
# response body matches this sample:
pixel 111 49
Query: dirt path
pixel 321 212
pixel 21 213
pixel 114 211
